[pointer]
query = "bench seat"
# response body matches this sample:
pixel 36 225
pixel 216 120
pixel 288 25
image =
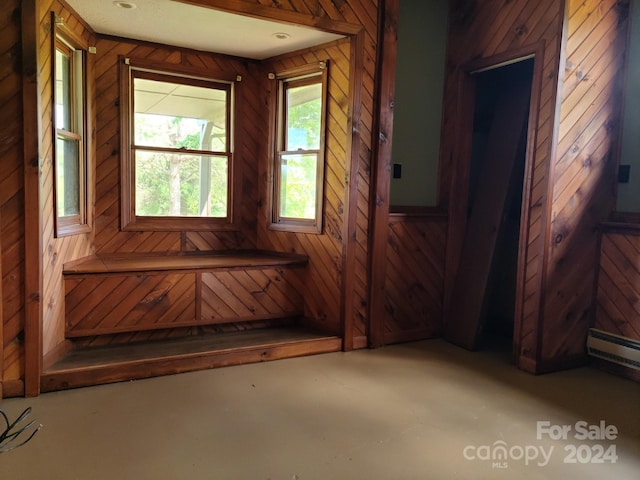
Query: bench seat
pixel 120 293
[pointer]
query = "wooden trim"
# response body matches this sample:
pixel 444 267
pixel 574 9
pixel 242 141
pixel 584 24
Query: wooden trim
pixel 458 198
pixel 129 220
pixel 301 76
pixel 270 13
pixel 458 189
pixel 136 263
pixel 629 220
pixel 405 214
pixel 352 173
pixel 76 224
pixel 388 12
pixel 303 51
pixel 193 75
pixel 125 80
pixel 525 205
pixel 13 388
pixel 67 33
pixel 547 196
pixel 360 342
pixel 77 17
pixel 621 227
pixel 33 314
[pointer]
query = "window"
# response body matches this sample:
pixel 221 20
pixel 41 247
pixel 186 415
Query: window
pixel 178 151
pixel 298 170
pixel 69 146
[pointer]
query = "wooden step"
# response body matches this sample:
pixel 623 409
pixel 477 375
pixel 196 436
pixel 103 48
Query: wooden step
pixel 98 365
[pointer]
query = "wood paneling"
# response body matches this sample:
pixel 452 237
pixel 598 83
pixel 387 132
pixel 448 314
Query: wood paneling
pixel 583 173
pixel 240 296
pixel 115 294
pixel 569 182
pixel 109 238
pixel 500 29
pixel 99 305
pixel 58 251
pixel 323 291
pixel 33 218
pixel 618 294
pixel 336 297
pixel 11 195
pixel 413 291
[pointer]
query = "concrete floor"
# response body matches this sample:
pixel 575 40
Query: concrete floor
pixel 424 410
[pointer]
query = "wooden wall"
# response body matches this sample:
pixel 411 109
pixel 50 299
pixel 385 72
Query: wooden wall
pixel 354 260
pixel 500 29
pixel 325 251
pixel 414 283
pixel 340 255
pixel 11 201
pixel 617 305
pixel 109 237
pixel 57 251
pixel 359 18
pixel 569 178
pixel 583 172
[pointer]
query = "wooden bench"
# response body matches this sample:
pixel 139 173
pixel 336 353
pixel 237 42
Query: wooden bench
pixel 111 294
pixel 117 293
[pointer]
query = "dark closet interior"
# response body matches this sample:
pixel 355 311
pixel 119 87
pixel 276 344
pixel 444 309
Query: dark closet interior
pixel 497 314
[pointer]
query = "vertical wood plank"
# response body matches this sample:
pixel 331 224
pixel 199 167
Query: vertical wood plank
pixel 356 77
pixel 33 214
pixel 383 125
pixel 1 323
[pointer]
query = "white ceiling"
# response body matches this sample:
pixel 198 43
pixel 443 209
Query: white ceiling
pixel 174 23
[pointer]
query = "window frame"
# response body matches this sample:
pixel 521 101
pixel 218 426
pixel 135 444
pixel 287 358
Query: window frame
pixel 75 49
pixel 139 68
pixel 306 75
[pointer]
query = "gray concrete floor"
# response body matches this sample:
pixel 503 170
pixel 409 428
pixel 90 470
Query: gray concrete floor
pixel 424 410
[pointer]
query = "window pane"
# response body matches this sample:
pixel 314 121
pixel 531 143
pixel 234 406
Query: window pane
pixel 304 107
pixel 67 177
pixel 172 115
pixel 298 186
pixel 63 91
pixel 174 184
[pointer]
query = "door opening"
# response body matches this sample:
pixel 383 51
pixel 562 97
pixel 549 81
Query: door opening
pixel 482 310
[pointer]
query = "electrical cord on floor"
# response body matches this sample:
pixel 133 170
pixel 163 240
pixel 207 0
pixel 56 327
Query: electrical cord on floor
pixel 9 437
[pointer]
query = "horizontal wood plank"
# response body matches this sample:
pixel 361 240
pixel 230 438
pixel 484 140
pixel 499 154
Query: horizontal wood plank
pixel 92 366
pixel 133 263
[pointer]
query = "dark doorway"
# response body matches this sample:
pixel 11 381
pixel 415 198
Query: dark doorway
pixel 501 288
pixel 484 295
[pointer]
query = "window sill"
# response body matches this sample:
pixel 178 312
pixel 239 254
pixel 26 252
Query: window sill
pixel 69 230
pixel 178 224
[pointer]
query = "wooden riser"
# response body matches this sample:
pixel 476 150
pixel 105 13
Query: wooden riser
pixel 94 366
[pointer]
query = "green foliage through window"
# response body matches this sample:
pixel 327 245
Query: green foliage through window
pixel 299 158
pixel 181 154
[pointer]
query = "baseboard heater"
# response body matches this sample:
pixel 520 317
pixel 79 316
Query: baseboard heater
pixel 614 348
